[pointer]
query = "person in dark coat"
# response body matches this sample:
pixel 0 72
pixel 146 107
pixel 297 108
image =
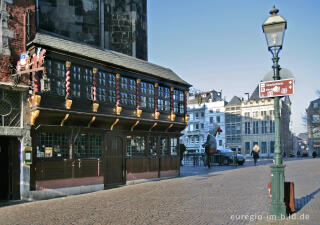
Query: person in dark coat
pixel 255 154
pixel 314 154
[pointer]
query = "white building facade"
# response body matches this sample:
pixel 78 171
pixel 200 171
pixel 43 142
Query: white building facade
pixel 205 110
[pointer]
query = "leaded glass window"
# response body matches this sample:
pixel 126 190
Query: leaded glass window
pixel 76 81
pixel 147 95
pixel 128 92
pixel 10 108
pixel 153 145
pixel 164 148
pixel 101 81
pixel 112 96
pixel 123 98
pixel 88 80
pixel 164 99
pixel 111 80
pixel 135 146
pixel 124 83
pixel 173 146
pixel 88 146
pixel 55 71
pixel 52 144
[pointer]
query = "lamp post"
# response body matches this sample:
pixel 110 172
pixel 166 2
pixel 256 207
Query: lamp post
pixel 274 28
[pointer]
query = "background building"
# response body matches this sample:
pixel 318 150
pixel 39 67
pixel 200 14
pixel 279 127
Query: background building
pixel 313 125
pixel 258 125
pixel 115 25
pixel 205 109
pixel 233 124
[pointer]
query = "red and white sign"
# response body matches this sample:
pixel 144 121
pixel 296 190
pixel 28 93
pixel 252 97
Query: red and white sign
pixel 276 88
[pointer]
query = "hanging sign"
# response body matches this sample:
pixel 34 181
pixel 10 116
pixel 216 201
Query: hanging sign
pixel 276 88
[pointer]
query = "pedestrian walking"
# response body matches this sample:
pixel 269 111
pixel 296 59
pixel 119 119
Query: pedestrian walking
pixel 255 154
pixel 314 154
pixel 211 143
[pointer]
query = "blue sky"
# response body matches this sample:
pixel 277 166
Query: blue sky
pixel 220 45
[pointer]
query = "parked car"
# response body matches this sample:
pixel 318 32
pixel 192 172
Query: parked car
pixel 227 156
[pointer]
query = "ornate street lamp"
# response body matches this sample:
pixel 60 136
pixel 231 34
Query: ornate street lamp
pixel 274 28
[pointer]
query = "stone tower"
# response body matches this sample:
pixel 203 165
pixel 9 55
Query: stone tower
pixel 119 25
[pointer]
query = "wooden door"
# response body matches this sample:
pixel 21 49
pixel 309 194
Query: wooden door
pixel 113 161
pixel 9 168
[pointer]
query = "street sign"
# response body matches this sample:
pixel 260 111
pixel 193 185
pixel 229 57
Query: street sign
pixel 276 88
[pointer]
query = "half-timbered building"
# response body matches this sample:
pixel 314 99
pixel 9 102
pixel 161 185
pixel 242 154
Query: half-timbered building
pixel 101 117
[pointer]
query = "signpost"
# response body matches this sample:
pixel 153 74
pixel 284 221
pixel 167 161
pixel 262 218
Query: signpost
pixel 276 88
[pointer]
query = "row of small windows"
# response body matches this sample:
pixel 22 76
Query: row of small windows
pixel 81 83
pixel 255 127
pixel 256 113
pixel 263 147
pixel 58 145
pixel 137 146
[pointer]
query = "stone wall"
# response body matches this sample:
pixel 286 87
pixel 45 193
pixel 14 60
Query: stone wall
pixel 13 33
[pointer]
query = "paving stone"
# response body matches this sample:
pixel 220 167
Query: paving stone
pixel 221 195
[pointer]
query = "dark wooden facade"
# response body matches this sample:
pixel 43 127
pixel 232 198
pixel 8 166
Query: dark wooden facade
pixel 101 122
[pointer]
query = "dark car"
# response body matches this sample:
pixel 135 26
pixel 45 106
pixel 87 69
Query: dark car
pixel 227 156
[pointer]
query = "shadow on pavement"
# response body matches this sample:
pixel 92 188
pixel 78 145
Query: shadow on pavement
pixel 4 203
pixel 301 202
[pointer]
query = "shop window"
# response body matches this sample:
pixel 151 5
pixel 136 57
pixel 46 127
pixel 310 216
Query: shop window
pixel 164 146
pixel 174 146
pixel 88 146
pixel 52 145
pixel 95 146
pixel 153 145
pixel 135 146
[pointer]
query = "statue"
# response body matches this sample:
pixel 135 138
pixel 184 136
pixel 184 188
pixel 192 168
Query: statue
pixel 211 143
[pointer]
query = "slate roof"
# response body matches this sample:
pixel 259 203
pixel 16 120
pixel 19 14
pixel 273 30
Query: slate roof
pixel 107 56
pixel 234 101
pixel 255 94
pixel 284 74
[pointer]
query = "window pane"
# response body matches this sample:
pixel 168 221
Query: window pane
pixel 173 146
pixel 164 146
pixel 135 146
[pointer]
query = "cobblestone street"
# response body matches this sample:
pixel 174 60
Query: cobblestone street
pixel 221 195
